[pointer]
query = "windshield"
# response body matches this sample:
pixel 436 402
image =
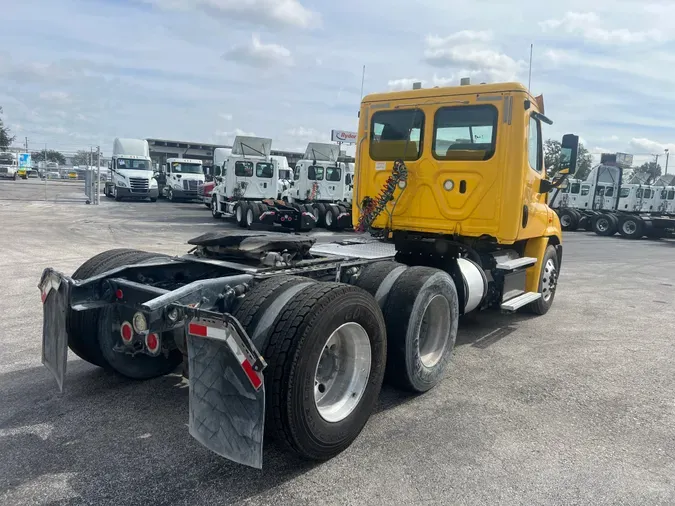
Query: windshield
pixel 186 168
pixel 131 163
pixel 7 159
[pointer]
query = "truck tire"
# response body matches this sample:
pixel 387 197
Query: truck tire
pixel 139 366
pixel 169 195
pixel 214 209
pixel 421 314
pixel 568 220
pixel 117 196
pixel 258 309
pixel 321 217
pixel 378 278
pixel 603 225
pixel 632 227
pixel 240 214
pixel 81 325
pixel 548 280
pixel 326 358
pixel 331 216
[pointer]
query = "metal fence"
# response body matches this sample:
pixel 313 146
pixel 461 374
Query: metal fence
pixel 56 186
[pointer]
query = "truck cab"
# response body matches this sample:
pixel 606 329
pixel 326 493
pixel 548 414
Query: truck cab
pixel 180 179
pixel 318 177
pixel 131 171
pixel 285 175
pixel 9 168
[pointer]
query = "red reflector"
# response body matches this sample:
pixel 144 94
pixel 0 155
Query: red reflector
pixel 152 342
pixel 252 375
pixel 127 332
pixel 119 294
pixel 197 330
pixel 43 296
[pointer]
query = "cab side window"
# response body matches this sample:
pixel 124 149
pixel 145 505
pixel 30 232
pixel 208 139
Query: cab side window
pixel 575 188
pixel 296 174
pixel 585 190
pixel 534 148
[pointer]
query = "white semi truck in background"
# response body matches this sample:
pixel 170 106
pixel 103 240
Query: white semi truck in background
pixel 325 184
pixel 604 204
pixel 180 179
pixel 248 189
pixel 131 171
pixel 9 167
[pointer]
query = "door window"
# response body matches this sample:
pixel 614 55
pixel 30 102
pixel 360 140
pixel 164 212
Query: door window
pixel 585 190
pixel 397 134
pixel 534 145
pixel 243 169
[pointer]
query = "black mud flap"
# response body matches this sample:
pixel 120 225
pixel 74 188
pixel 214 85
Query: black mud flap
pixel 55 290
pixel 227 392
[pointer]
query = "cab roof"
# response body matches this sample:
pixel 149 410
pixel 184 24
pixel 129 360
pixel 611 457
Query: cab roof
pixel 467 89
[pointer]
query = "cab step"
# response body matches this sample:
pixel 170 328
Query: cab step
pixel 516 263
pixel 516 303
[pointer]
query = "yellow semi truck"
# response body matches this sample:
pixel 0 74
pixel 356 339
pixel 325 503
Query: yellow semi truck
pixel 283 336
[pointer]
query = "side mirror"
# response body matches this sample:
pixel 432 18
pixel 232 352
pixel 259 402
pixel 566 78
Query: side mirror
pixel 545 186
pixel 569 151
pixel 109 164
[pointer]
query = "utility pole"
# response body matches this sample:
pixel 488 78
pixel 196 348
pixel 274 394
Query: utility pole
pixel 26 144
pixel 97 198
pixel 667 156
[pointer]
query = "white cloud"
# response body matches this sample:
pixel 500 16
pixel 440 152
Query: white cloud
pixel 228 137
pixel 467 52
pixel 273 13
pixel 225 116
pixel 405 83
pixel 648 146
pixel 55 96
pixel 258 54
pixel 591 27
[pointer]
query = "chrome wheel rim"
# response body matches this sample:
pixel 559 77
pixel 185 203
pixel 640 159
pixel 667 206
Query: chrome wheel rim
pixel 548 280
pixel 434 330
pixel 214 207
pixel 566 220
pixel 342 372
pixel 329 217
pixel 629 227
pixel 603 224
pixel 249 217
pixel 239 213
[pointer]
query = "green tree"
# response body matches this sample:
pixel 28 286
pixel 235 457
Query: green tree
pixel 648 172
pixel 48 155
pixel 552 159
pixel 82 158
pixel 5 138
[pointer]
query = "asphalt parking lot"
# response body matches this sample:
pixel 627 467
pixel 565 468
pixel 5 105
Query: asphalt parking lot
pixel 575 407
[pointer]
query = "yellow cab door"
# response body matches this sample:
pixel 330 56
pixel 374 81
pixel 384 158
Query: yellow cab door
pixel 536 216
pixel 455 149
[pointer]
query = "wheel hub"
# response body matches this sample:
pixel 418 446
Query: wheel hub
pixel 342 372
pixel 549 280
pixel 565 221
pixel 434 330
pixel 629 227
pixel 603 225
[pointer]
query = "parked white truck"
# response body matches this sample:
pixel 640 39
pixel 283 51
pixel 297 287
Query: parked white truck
pixel 248 189
pixel 321 182
pixel 131 171
pixel 9 166
pixel 180 179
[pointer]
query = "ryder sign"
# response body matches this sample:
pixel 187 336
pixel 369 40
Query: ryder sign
pixel 342 136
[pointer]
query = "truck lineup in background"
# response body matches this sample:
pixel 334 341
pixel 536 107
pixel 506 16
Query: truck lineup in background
pixel 607 205
pixel 284 337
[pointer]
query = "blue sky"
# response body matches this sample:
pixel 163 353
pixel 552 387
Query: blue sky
pixel 76 73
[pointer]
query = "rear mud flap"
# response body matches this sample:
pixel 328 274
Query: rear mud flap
pixel 55 305
pixel 227 396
